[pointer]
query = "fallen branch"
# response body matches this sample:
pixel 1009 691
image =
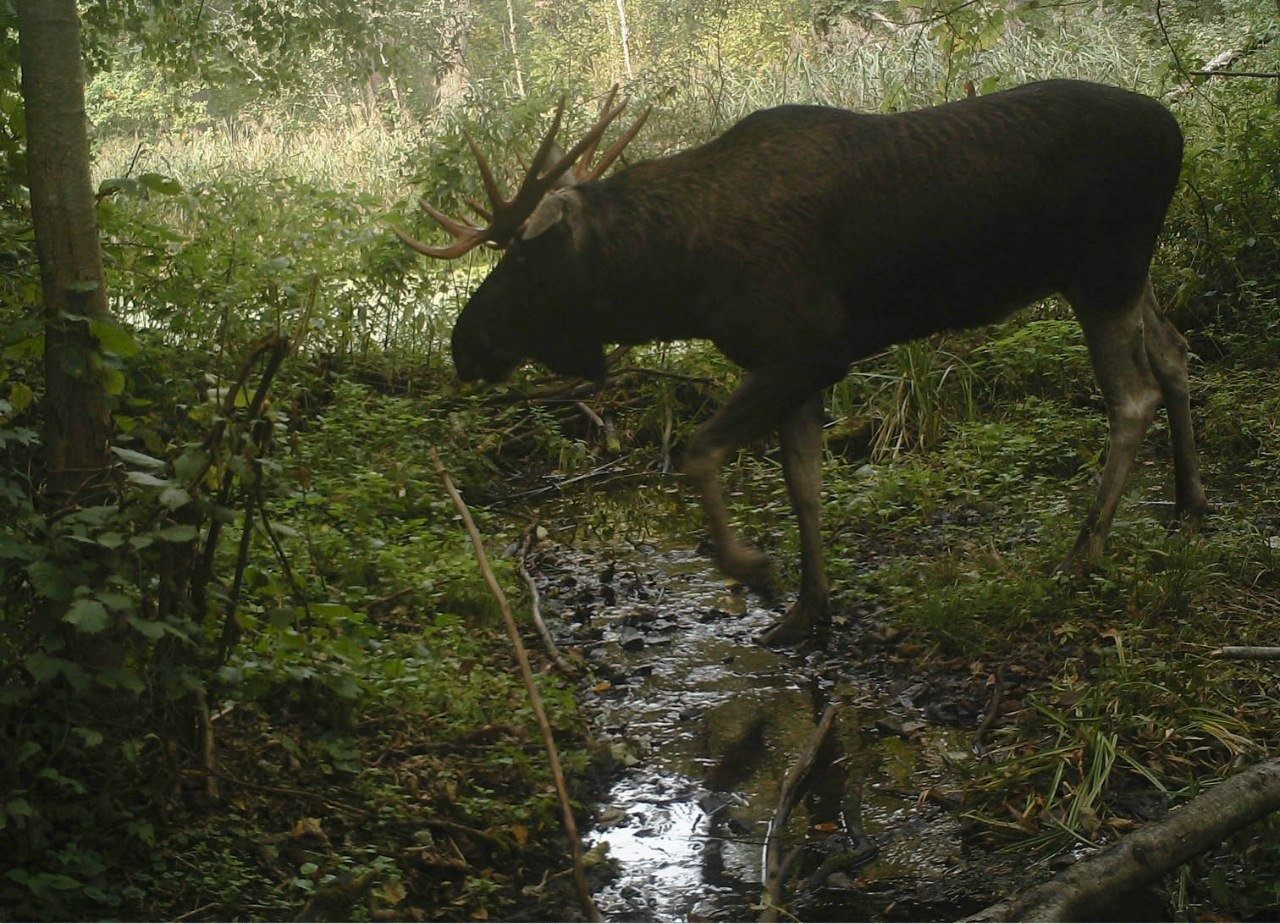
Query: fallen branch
pixel 1247 653
pixel 526 674
pixel 1265 75
pixel 1089 889
pixel 775 866
pixel 535 607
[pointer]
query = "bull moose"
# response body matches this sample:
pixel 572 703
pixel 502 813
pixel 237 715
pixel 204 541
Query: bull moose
pixel 807 237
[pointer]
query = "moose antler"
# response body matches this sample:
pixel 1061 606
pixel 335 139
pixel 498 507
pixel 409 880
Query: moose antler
pixel 583 170
pixel 505 217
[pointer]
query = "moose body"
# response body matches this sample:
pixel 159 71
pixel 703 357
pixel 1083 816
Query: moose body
pixel 807 237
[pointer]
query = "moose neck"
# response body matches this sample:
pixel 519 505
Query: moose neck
pixel 645 275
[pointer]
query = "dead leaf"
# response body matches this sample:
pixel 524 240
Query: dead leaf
pixel 308 827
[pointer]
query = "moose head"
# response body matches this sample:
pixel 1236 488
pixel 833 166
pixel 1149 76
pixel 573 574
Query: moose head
pixel 517 312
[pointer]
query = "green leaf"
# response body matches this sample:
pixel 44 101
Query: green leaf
pixel 20 396
pixel 27 348
pixel 113 601
pixel 48 581
pixel 146 479
pixel 121 677
pixel 190 464
pixel 87 615
pixel 90 736
pixel 159 183
pixel 148 627
pixel 112 381
pixel 19 808
pixel 180 532
pixel 137 458
pixel 175 497
pixel 42 667
pixel 282 616
pixel 114 338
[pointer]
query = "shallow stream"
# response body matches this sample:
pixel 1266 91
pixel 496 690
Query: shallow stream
pixel 705 723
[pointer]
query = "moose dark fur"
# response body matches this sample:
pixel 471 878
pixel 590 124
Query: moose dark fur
pixel 806 237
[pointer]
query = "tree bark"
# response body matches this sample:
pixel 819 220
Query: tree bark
pixel 77 419
pixel 1088 889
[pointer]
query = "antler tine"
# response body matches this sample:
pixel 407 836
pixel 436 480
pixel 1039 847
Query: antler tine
pixel 548 142
pixel 466 237
pixel 452 225
pixel 456 249
pixel 582 169
pixel 486 175
pixel 505 217
pixel 479 209
pixel 591 138
pixel 594 172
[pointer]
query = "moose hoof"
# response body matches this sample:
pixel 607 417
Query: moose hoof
pixel 1189 519
pixel 750 567
pixel 1078 564
pixel 785 634
pixel 796 628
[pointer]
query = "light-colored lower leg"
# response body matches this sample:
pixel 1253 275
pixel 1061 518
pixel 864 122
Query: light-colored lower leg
pixel 1116 346
pixel 801 438
pixel 1167 352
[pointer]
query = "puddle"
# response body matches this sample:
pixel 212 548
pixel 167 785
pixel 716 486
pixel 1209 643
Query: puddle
pixel 706 724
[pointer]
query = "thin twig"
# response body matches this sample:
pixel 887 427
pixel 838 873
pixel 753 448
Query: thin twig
pixel 207 745
pixel 775 867
pixel 988 719
pixel 535 606
pixel 1247 653
pixel 535 700
pixel 1266 75
pixel 188 915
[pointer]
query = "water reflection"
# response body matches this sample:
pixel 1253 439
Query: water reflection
pixel 710 723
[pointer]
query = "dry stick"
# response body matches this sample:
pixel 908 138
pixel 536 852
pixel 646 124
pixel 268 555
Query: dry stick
pixel 526 674
pixel 775 867
pixel 1247 653
pixel 1090 888
pixel 535 607
pixel 993 710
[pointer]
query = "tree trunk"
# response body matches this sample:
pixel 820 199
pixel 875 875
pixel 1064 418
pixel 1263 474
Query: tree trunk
pixel 625 35
pixel 77 420
pixel 515 54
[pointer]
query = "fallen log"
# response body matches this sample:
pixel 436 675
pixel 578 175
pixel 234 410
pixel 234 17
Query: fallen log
pixel 1087 890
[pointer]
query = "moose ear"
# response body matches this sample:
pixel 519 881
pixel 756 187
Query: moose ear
pixel 560 206
pixel 568 178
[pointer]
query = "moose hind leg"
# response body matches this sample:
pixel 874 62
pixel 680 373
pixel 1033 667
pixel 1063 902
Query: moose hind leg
pixel 801 438
pixel 1167 353
pixel 757 408
pixel 1118 351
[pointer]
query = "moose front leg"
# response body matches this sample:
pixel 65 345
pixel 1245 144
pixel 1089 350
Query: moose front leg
pixel 760 405
pixel 801 437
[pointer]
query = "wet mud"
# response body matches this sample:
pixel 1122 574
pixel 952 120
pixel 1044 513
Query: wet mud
pixel 703 724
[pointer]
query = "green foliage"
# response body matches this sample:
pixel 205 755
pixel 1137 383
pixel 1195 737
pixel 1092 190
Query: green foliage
pixel 290 569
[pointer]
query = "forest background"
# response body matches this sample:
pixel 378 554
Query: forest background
pixel 257 606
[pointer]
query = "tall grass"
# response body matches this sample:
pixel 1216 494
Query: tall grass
pixel 880 67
